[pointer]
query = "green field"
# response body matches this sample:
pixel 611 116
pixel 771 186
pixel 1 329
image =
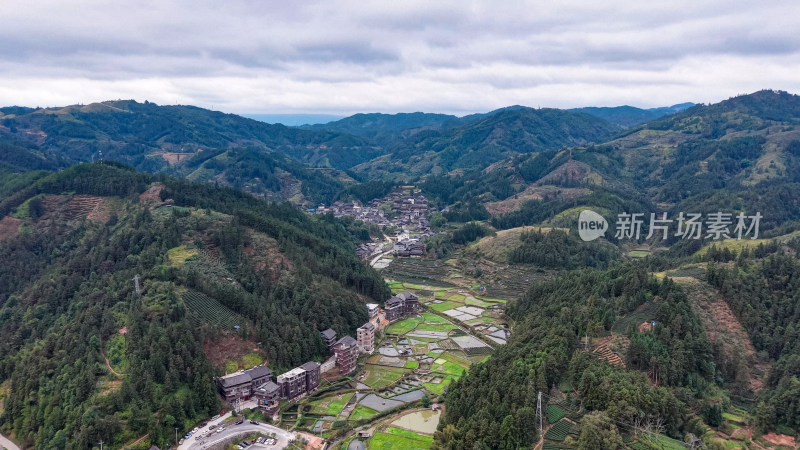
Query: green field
pixel 448 368
pixel 445 327
pixel 380 376
pixel 403 326
pixel 362 412
pixel 735 245
pixel 400 440
pixel 331 406
pixel 433 318
pixel 178 255
pixel 439 388
pixel 476 302
pixel 450 357
pixel 639 254
pixel 480 320
pixel 444 306
pixel 412 364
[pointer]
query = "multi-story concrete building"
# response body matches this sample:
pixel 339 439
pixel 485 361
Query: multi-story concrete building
pixel 346 350
pixel 312 375
pixel 366 338
pixel 372 310
pixel 292 383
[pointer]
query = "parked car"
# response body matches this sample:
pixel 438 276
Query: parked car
pixel 240 420
pixel 212 427
pixel 254 422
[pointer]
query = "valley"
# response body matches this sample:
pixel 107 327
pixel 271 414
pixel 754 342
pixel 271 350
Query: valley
pixel 397 281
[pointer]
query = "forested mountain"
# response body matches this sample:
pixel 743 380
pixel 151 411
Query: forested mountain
pixel 627 116
pixel 132 132
pixel 183 140
pixel 490 139
pixel 493 406
pixel 739 155
pixel 385 129
pixel 72 243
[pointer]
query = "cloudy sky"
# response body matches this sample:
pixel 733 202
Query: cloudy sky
pixel 343 57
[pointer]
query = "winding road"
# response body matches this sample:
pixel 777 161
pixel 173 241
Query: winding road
pixel 6 442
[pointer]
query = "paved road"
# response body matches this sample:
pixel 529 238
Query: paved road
pixel 6 442
pixel 234 430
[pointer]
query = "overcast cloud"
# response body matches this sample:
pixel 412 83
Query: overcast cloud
pixel 343 57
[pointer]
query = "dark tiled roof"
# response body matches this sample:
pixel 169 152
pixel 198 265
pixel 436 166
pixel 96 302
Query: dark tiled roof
pixel 368 326
pixel 235 380
pixel 269 386
pixel 259 371
pixel 346 341
pixel 407 295
pixel 328 334
pixel 310 366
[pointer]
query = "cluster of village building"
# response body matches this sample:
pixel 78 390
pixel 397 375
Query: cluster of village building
pixel 408 211
pixel 258 383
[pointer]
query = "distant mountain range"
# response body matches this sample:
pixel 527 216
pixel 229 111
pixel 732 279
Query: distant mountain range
pixel 687 152
pixel 628 116
pixel 293 120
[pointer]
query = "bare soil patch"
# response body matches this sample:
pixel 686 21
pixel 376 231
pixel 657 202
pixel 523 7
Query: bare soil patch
pixel 152 195
pixel 722 326
pixel 9 227
pixel 533 193
pixel 175 158
pixel 779 439
pixel 227 348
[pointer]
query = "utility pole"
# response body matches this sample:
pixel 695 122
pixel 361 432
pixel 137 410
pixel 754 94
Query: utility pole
pixel 539 411
pixel 176 435
pixel 101 444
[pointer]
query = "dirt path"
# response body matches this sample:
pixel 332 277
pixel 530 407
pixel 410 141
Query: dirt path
pixel 136 442
pixel 108 365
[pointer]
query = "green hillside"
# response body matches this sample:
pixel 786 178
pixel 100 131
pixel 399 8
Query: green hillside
pixel 68 299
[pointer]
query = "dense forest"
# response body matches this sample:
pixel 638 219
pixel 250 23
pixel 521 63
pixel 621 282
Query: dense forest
pixel 491 407
pixel 764 296
pixel 69 293
pixel 559 250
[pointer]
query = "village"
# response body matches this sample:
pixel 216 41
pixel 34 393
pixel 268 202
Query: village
pixel 404 213
pixel 384 384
